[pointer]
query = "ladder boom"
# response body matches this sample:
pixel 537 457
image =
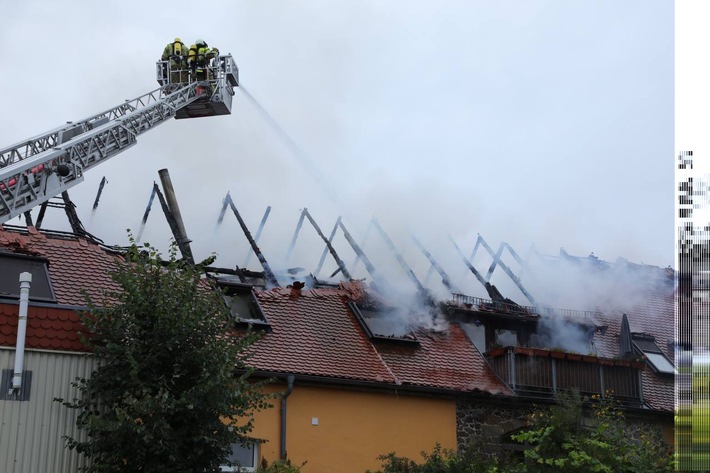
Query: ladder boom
pixel 40 174
pixel 35 170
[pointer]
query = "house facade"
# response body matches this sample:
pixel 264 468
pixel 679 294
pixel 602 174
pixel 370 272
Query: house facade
pixel 351 380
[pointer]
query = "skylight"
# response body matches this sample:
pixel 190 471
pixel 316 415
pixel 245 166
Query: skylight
pixel 383 324
pixel 660 363
pixel 646 344
pixel 12 265
pixel 243 304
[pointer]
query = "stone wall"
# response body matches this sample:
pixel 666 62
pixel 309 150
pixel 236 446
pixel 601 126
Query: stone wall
pixel 489 425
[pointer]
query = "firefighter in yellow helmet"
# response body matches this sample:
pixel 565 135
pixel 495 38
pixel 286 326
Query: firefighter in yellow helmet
pixel 200 58
pixel 176 52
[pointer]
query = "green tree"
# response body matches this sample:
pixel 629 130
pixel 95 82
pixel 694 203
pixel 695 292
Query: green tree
pixel 563 439
pixel 171 392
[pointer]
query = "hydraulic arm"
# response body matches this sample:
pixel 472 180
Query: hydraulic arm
pixel 35 170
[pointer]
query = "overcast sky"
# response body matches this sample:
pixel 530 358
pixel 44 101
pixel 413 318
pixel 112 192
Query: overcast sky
pixel 539 123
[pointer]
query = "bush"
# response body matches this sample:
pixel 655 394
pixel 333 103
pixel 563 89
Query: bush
pixel 560 440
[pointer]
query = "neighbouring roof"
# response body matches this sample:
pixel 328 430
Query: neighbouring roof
pixel 76 265
pixel 47 328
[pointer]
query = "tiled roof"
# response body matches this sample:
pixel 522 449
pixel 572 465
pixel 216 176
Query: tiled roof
pixel 658 392
pixel 443 358
pixel 315 334
pixel 653 313
pixel 75 264
pixel 47 328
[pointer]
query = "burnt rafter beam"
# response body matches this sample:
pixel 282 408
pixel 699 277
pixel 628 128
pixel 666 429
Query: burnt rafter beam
pixel 147 211
pixel 423 293
pixel 299 225
pixel 325 250
pixel 70 209
pixel 258 234
pixel 268 273
pixel 445 279
pixel 40 217
pixel 103 182
pixel 174 227
pixel 505 268
pixel 338 261
pixel 28 218
pixel 361 255
pixel 470 265
pixel 364 240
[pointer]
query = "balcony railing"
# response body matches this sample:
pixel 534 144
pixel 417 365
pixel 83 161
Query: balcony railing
pixel 487 304
pixel 542 373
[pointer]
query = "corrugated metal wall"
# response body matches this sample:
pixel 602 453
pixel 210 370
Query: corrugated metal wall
pixel 31 431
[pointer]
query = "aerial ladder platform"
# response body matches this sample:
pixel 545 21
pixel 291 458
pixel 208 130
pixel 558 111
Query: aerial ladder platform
pixel 40 168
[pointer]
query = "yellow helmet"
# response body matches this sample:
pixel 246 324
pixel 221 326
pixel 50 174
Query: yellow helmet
pixel 177 40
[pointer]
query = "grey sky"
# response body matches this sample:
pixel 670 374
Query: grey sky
pixel 532 122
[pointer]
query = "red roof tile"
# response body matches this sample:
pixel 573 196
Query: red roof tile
pixel 75 265
pixel 315 334
pixel 652 314
pixel 444 359
pixel 45 329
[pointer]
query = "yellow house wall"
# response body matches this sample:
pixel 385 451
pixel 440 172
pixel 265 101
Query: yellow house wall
pixel 354 428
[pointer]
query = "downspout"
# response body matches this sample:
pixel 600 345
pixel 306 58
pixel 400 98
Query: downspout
pixel 25 282
pixel 290 379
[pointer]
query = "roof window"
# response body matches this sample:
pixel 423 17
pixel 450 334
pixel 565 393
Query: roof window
pixel 243 305
pixel 646 344
pixel 383 324
pixel 13 264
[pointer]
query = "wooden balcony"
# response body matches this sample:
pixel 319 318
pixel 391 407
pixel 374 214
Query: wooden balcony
pixel 536 372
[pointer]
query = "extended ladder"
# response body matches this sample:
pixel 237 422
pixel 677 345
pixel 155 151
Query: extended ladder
pixel 35 170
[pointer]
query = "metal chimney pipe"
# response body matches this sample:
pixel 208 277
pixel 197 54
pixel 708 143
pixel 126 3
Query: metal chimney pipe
pixel 25 282
pixel 172 203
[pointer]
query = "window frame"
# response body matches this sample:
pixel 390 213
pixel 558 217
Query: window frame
pixel 409 339
pixel 39 270
pixel 232 289
pixel 240 468
pixel 641 340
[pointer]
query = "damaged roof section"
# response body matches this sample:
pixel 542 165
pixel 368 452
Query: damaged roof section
pixel 351 333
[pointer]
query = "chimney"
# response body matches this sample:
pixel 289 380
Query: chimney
pixel 296 289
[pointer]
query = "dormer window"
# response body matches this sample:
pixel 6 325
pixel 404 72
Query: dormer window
pixel 13 265
pixel 243 305
pixel 657 360
pixel 383 324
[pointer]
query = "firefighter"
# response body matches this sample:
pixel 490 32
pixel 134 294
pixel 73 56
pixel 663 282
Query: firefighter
pixel 191 55
pixel 200 59
pixel 177 53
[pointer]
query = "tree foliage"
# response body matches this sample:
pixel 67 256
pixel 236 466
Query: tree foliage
pixel 166 396
pixel 561 439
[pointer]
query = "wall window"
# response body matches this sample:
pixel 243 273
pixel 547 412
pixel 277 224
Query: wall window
pixel 476 333
pixel 13 264
pixel 506 338
pixel 244 457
